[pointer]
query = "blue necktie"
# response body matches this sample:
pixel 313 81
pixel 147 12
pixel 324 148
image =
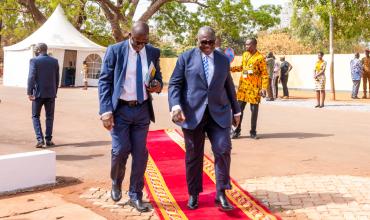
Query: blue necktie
pixel 139 79
pixel 206 68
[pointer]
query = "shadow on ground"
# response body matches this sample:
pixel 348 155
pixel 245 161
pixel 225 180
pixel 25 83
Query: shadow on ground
pixel 298 135
pixel 85 144
pixel 67 157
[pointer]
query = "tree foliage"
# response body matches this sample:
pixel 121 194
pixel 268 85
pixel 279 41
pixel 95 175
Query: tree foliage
pixel 233 20
pixel 109 21
pixel 310 22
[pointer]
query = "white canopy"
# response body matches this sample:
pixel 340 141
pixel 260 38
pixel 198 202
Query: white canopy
pixel 57 32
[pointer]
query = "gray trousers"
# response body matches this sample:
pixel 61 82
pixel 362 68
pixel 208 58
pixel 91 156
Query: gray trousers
pixel 355 87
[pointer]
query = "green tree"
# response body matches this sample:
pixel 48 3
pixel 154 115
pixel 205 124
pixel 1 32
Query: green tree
pixel 310 22
pixel 233 20
pixel 108 21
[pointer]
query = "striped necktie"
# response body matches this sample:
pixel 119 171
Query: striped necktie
pixel 206 67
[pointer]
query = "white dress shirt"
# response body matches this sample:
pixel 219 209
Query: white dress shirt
pixel 129 84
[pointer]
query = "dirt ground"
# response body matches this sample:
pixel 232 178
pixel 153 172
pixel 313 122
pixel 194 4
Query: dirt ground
pixel 293 139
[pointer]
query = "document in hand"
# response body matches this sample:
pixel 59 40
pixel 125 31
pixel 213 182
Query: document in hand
pixel 150 75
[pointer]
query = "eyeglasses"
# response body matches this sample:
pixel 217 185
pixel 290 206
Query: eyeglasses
pixel 208 42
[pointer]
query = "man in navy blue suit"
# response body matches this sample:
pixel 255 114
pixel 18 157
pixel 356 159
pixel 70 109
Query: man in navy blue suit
pixel 202 100
pixel 126 107
pixel 43 82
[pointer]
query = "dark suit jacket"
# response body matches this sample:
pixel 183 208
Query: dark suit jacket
pixel 43 77
pixel 113 74
pixel 189 89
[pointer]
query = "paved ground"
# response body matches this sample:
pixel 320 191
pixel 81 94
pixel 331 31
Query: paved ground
pixel 299 145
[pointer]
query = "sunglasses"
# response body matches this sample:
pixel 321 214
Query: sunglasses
pixel 207 42
pixel 138 43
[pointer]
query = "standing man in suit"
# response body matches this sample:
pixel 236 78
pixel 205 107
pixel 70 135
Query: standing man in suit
pixel 126 107
pixel 202 99
pixel 43 82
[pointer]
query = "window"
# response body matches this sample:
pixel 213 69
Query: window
pixel 93 62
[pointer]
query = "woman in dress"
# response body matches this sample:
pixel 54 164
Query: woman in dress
pixel 319 76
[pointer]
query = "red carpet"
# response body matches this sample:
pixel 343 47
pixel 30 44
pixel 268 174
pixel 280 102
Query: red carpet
pixel 165 182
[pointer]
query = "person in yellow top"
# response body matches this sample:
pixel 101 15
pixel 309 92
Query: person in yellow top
pixel 366 73
pixel 252 84
pixel 320 80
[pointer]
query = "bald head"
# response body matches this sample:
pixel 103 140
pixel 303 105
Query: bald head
pixel 207 31
pixel 139 35
pixel 140 28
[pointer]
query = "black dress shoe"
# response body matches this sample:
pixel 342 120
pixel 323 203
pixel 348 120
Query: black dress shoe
pixel 222 202
pixel 40 144
pixel 116 193
pixel 138 205
pixel 50 143
pixel 193 202
pixel 254 136
pixel 235 135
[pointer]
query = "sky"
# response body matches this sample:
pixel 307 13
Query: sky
pixel 143 4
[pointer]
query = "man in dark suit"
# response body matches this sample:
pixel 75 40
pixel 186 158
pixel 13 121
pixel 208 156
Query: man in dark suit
pixel 126 107
pixel 202 100
pixel 43 82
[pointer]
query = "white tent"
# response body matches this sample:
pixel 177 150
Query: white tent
pixel 65 43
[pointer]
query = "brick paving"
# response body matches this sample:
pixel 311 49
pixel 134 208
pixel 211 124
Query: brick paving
pixel 101 197
pixel 301 197
pixel 314 197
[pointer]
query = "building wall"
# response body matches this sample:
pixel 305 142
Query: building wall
pixel 301 76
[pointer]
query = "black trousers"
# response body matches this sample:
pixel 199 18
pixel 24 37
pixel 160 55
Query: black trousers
pixel 221 148
pixel 284 83
pixel 49 105
pixel 254 116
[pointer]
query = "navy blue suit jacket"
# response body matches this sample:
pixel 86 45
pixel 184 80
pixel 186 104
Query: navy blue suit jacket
pixel 43 77
pixel 189 89
pixel 113 74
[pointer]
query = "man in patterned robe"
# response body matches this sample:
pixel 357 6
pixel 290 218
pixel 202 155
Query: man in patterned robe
pixel 252 85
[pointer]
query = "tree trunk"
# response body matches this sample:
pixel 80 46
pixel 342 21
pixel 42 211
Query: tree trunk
pixel 81 16
pixel 38 17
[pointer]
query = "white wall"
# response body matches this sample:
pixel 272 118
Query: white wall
pixel 59 55
pixel 16 67
pixel 301 76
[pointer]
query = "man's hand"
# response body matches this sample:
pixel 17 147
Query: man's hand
pixel 31 97
pixel 178 116
pixel 155 86
pixel 108 121
pixel 236 120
